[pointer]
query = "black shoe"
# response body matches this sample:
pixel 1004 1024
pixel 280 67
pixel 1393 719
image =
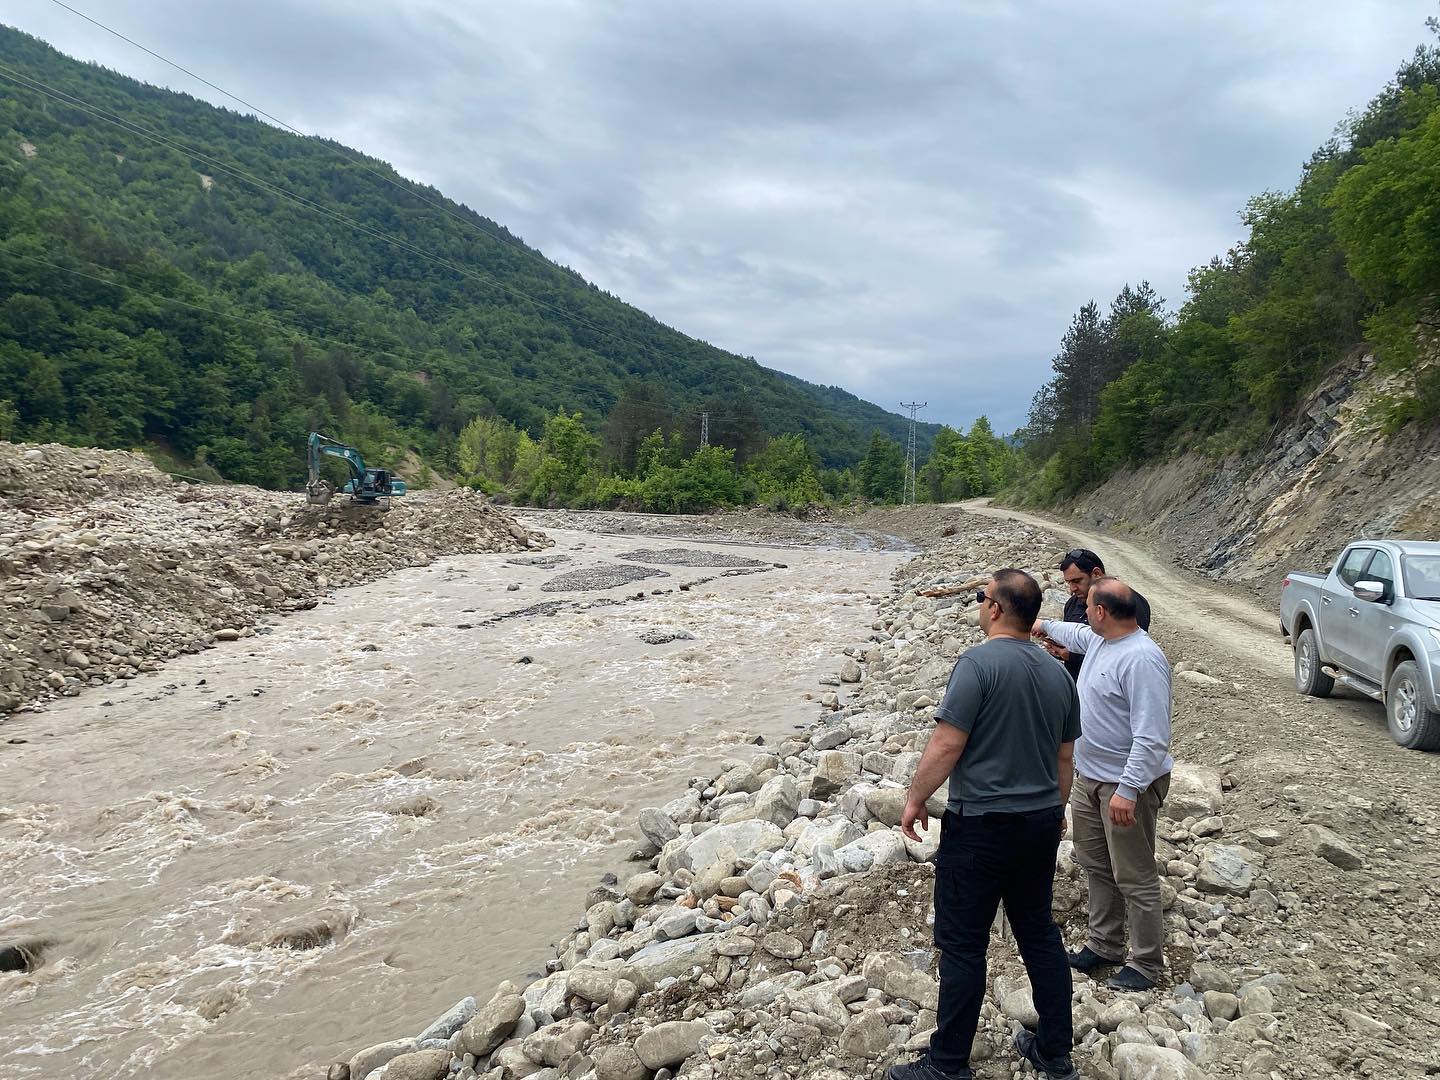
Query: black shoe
pixel 921 1069
pixel 1127 978
pixel 1088 960
pixel 1061 1068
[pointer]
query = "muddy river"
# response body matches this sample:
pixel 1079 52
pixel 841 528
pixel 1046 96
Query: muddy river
pixel 270 855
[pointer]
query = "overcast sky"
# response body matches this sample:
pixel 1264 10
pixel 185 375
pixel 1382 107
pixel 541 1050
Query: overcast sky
pixel 909 200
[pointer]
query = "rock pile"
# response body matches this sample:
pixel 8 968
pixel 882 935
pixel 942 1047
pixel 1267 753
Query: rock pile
pixel 109 567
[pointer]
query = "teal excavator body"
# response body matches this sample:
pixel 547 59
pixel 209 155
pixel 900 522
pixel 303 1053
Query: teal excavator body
pixel 365 485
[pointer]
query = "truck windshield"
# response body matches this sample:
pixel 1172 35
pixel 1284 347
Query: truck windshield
pixel 1422 576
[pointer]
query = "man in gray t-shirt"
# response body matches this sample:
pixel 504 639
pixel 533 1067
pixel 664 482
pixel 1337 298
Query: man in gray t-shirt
pixel 1004 736
pixel 1030 707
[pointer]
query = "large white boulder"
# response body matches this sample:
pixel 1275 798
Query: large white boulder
pixel 738 840
pixel 1195 791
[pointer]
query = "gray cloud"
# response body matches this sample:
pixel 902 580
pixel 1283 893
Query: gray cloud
pixel 906 200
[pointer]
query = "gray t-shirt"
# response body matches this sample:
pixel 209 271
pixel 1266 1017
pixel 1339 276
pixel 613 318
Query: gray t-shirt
pixel 1018 706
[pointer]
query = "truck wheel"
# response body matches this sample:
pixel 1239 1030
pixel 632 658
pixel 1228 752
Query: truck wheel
pixel 1309 678
pixel 1412 724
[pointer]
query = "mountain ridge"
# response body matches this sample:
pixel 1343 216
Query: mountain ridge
pixel 182 202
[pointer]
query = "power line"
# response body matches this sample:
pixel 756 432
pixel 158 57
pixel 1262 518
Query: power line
pixel 914 407
pixel 669 411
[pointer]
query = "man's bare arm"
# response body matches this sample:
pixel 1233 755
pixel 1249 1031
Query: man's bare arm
pixel 947 743
pixel 1066 769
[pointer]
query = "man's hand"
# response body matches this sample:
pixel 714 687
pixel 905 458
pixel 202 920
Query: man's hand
pixel 1057 650
pixel 1064 826
pixel 914 811
pixel 1122 810
pixel 1038 630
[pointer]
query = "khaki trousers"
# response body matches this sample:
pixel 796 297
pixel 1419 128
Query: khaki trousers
pixel 1124 884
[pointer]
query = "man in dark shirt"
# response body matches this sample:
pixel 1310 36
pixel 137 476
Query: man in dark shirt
pixel 1081 568
pixel 1005 738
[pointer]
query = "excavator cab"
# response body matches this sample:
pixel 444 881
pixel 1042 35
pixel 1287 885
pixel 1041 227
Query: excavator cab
pixel 365 486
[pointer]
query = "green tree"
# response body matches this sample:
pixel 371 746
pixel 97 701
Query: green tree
pixel 569 450
pixel 1352 252
pixel 138 305
pixel 947 474
pixel 641 409
pixel 486 448
pixel 882 470
pixel 1308 307
pixel 786 474
pixel 1387 219
pixel 705 481
pixel 655 451
pixel 529 456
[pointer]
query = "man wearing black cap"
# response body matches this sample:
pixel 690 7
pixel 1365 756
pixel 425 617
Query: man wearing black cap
pixel 1081 568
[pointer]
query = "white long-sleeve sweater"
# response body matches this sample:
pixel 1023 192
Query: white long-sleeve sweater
pixel 1125 701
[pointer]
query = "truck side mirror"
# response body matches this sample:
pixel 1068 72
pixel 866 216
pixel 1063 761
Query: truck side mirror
pixel 1373 592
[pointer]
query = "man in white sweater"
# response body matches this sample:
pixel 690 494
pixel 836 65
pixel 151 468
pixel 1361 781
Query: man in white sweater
pixel 1122 775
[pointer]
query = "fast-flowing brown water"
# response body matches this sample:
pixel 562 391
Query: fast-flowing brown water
pixel 373 770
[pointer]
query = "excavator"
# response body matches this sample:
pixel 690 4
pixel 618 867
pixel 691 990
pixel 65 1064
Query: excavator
pixel 365 486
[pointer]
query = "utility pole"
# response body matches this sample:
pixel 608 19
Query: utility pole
pixel 704 429
pixel 914 407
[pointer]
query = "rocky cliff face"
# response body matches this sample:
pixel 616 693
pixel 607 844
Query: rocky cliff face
pixel 1327 477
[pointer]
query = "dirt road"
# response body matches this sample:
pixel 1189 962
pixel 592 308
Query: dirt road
pixel 1198 619
pixel 1233 622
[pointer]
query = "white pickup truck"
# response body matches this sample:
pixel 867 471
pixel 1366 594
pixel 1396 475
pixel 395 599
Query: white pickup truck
pixel 1373 624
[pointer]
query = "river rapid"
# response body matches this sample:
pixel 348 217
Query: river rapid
pixel 274 853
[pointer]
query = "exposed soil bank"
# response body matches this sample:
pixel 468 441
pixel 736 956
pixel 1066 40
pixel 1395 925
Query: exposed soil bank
pixel 1327 478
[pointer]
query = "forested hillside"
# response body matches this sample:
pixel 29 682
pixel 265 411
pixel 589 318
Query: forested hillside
pixel 1348 260
pixel 178 275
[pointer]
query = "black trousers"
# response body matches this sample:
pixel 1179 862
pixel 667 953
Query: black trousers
pixel 984 860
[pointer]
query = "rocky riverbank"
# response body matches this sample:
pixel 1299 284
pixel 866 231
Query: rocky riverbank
pixel 109 567
pixel 781 926
pixel 776 923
